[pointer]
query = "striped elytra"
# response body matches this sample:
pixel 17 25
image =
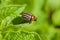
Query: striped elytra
pixel 28 17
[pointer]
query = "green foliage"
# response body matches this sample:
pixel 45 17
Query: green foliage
pixel 8 13
pixel 19 35
pixel 13 27
pixel 56 18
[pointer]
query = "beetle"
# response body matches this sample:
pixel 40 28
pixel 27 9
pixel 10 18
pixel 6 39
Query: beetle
pixel 29 17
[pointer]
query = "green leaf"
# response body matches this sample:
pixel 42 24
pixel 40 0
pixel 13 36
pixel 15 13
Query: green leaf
pixel 56 18
pixel 8 13
pixel 20 35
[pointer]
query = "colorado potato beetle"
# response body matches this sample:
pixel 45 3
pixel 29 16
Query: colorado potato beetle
pixel 29 17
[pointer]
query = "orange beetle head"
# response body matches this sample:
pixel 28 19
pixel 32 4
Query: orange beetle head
pixel 33 18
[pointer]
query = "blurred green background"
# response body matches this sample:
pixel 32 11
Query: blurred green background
pixel 13 27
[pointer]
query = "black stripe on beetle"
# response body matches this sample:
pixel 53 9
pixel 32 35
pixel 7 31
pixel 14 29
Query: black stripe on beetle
pixel 29 17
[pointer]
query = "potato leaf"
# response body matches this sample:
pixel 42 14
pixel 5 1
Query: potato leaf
pixel 9 12
pixel 20 35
